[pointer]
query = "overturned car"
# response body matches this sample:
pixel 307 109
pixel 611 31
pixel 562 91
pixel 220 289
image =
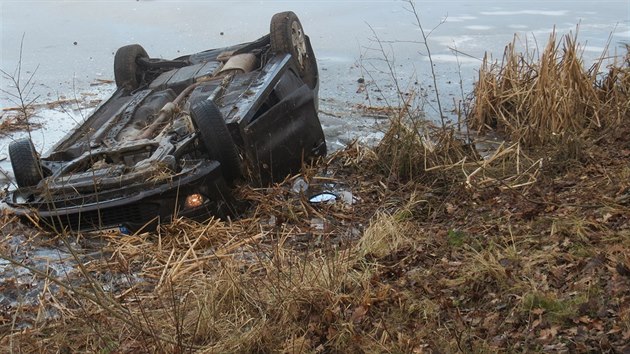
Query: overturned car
pixel 176 135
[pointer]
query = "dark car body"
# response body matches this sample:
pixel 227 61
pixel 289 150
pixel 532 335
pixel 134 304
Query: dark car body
pixel 177 134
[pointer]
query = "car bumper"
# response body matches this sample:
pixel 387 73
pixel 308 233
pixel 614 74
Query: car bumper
pixel 143 209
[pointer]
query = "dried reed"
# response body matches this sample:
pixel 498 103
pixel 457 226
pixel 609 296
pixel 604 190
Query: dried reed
pixel 534 100
pixel 412 148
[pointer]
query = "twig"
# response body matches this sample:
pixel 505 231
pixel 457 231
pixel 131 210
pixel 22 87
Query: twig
pixel 425 37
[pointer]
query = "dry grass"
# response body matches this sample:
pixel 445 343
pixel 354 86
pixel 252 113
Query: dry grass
pixel 537 100
pixel 464 271
pixel 412 148
pixel 16 121
pixel 445 251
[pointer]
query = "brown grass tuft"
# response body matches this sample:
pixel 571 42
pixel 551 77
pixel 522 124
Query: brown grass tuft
pixel 413 148
pixel 533 100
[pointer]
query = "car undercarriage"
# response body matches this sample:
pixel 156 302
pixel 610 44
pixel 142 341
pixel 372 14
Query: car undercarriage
pixel 177 135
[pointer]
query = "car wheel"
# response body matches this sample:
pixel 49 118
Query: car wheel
pixel 25 163
pixel 127 73
pixel 216 138
pixel 287 36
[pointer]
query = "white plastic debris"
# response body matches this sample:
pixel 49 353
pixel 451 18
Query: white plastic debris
pixel 323 198
pixel 299 186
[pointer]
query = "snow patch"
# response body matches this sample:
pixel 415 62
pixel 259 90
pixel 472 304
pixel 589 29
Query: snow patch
pixel 447 58
pixel 525 12
pixel 479 27
pixel 461 18
pixel 453 41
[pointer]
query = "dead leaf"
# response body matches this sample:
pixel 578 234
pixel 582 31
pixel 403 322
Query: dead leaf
pixel 606 217
pixel 359 313
pixel 331 333
pixel 490 320
pixel 538 311
pixel 583 319
pixel 535 324
pixel 549 333
pixel 614 330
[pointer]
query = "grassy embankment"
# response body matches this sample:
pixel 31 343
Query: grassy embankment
pixel 526 249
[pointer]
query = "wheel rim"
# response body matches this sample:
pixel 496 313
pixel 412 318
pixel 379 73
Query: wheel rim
pixel 298 42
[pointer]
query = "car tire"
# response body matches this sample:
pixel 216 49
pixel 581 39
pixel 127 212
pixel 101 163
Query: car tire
pixel 216 138
pixel 25 163
pixel 127 73
pixel 287 36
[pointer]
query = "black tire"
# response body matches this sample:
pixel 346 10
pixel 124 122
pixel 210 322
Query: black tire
pixel 127 73
pixel 287 36
pixel 25 163
pixel 216 138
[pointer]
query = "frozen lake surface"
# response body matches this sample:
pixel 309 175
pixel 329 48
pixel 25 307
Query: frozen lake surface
pixel 70 45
